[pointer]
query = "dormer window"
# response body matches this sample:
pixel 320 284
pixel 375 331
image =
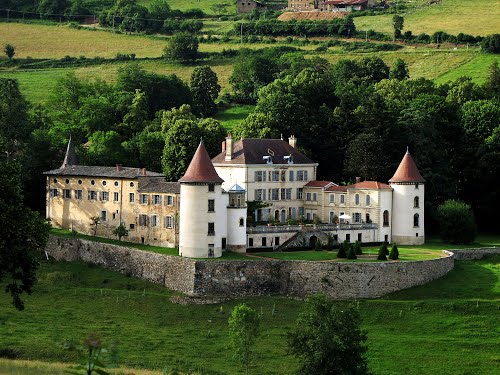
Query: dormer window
pixel 288 159
pixel 268 159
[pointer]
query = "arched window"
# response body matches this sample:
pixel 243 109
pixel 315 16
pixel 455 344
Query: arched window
pixel 386 218
pixel 415 202
pixel 277 215
pixel 416 218
pixel 356 199
pixel 242 222
pixel 368 200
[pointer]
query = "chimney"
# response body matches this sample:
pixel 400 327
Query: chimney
pixel 224 146
pixel 143 172
pixel 358 180
pixel 119 167
pixel 292 141
pixel 229 147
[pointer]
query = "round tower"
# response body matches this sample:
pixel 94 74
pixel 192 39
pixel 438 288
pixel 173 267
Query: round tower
pixel 407 203
pixel 203 214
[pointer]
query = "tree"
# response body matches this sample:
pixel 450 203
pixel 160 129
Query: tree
pixel 493 82
pixel 328 340
pixel 52 7
pixel 23 233
pixel 182 47
pixel 351 253
pixel 205 89
pixel 399 70
pixel 120 231
pixel 357 248
pixel 394 255
pixel 491 43
pixel 318 246
pixel 105 148
pixel 9 50
pixel 397 23
pixel 342 253
pixel 244 325
pixel 383 252
pixel 456 222
pixel 94 223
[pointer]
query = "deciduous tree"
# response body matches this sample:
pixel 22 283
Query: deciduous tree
pixel 182 47
pixel 9 50
pixel 205 89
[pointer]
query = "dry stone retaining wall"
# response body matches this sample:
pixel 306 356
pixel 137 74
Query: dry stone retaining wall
pixel 261 277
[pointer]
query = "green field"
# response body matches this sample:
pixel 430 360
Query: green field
pixel 233 115
pixel 204 5
pixel 409 332
pixel 478 17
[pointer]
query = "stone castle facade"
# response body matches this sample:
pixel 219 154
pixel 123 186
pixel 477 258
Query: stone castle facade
pixel 206 211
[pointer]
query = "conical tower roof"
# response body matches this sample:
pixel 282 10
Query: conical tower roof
pixel 407 171
pixel 201 168
pixel 70 158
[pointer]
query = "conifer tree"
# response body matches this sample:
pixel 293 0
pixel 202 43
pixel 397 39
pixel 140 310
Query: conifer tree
pixel 318 246
pixel 357 248
pixel 342 250
pixel 382 252
pixel 394 255
pixel 351 254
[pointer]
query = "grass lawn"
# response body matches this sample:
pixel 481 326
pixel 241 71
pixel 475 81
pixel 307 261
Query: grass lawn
pixel 449 326
pixel 453 16
pixel 432 249
pixel 234 115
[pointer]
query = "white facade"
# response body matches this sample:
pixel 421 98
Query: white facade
pixel 408 217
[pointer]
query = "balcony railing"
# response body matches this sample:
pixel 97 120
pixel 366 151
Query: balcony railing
pixel 308 227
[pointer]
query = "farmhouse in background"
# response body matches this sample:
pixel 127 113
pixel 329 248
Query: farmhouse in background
pixel 247 6
pixel 256 194
pixel 345 5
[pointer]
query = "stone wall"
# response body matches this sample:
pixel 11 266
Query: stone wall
pixel 475 254
pixel 173 272
pixel 339 280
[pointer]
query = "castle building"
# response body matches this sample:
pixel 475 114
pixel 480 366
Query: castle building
pixel 206 212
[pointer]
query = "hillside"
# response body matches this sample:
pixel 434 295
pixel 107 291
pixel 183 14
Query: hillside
pixel 478 17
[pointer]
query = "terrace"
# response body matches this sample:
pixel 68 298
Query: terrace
pixel 308 227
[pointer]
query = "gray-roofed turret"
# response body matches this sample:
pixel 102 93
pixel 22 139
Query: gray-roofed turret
pixel 70 158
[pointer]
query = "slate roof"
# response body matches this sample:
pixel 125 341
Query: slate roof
pixel 251 151
pixel 407 171
pixel 97 171
pixel 70 157
pixel 149 184
pixel 201 168
pixel 236 189
pixel 369 185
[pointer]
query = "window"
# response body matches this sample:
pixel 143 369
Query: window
pixel 301 211
pixel 260 176
pixel 67 181
pixel 104 196
pixel 276 241
pixel 274 194
pixel 332 198
pixel 143 220
pixel 264 241
pixel 92 195
pixel 368 200
pixel 290 176
pixel 169 201
pixel 132 226
pixel 116 196
pixel 55 180
pixel 416 185
pixel 342 220
pixel 356 199
pixel 131 197
pixel 144 199
pixel 104 183
pixel 300 192
pixel 79 182
pixel 360 236
pixel 211 187
pixel 301 175
pixel 156 199
pixel 315 197
pixel 416 219
pixel 79 194
pixel 154 221
pixel 168 222
pixel 116 183
pixel 332 217
pixel 342 199
pixel 211 205
pixel 250 242
pixel 131 184
pixel 242 221
pixel 274 176
pixel 385 216
pixel 415 202
pixel 104 215
pixel 54 193
pixel 260 194
pixel 286 194
pixel 348 237
pixel 368 220
pixel 283 176
pixel 92 182
pixel 67 193
pixel 308 196
pixel 357 217
pixel 211 229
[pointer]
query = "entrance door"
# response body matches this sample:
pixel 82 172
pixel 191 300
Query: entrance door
pixel 211 250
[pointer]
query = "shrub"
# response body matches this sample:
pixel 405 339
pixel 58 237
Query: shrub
pixel 394 255
pixel 318 246
pixel 182 47
pixel 351 254
pixel 382 252
pixel 342 250
pixel 456 222
pixel 357 248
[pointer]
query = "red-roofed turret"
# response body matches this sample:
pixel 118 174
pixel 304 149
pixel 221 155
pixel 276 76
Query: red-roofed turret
pixel 201 168
pixel 407 171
